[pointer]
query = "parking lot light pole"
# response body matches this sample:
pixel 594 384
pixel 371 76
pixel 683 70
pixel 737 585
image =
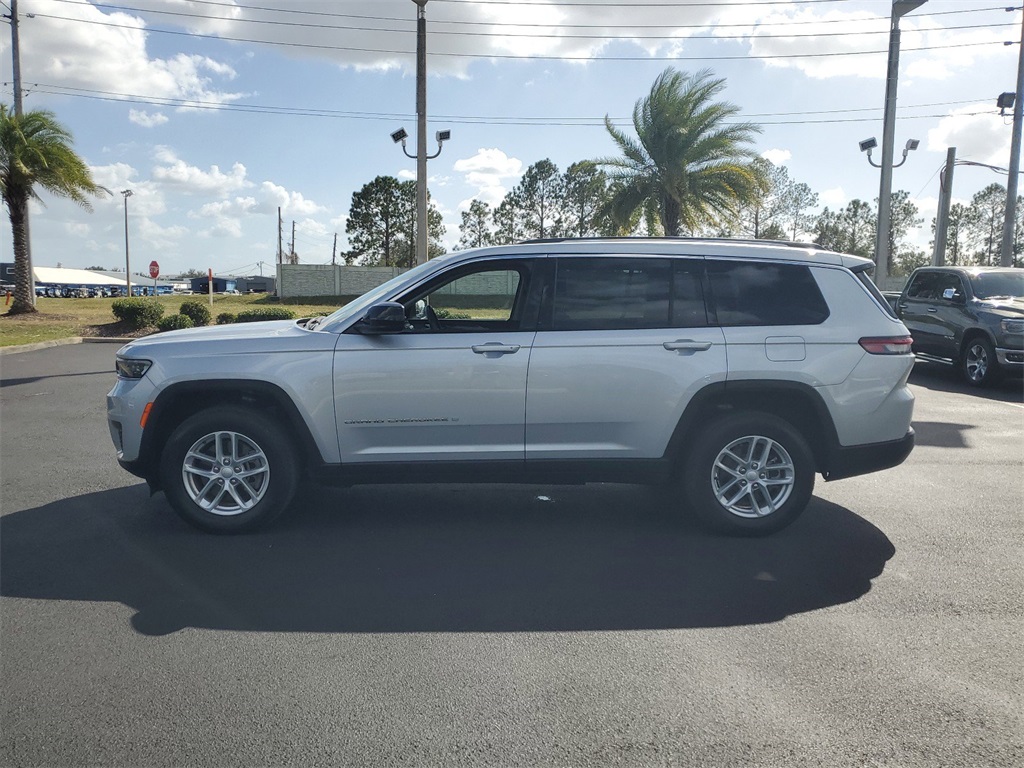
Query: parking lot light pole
pixel 127 264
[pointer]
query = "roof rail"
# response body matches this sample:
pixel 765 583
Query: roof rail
pixel 744 241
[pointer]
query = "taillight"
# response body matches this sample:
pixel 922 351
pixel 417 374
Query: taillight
pixel 887 345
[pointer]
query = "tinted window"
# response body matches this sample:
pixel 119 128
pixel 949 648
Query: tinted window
pixel 765 294
pixel 923 286
pixel 989 285
pixel 616 294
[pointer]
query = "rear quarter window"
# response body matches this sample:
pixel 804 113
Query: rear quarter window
pixel 747 293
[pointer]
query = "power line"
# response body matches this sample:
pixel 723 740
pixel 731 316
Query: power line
pixel 537 57
pixel 499 32
pixel 538 122
pixel 328 14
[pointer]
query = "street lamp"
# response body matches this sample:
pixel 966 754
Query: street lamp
pixel 127 268
pixel 900 8
pixel 400 135
pixel 869 144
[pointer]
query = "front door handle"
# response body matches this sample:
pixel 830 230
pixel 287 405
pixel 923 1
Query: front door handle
pixel 687 345
pixel 932 309
pixel 495 348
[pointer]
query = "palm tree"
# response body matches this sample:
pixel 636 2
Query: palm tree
pixel 35 151
pixel 688 164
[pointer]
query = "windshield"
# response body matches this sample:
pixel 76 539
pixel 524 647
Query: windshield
pixel 993 285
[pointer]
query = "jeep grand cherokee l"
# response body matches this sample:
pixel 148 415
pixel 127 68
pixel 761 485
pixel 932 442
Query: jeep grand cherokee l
pixel 731 371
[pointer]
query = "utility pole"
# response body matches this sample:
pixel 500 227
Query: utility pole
pixel 127 266
pixel 1009 223
pixel 291 254
pixel 899 8
pixel 16 54
pixel 421 132
pixel 16 73
pixel 942 217
pixel 334 250
pixel 280 235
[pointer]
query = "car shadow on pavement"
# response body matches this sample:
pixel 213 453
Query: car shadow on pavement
pixel 441 558
pixel 945 378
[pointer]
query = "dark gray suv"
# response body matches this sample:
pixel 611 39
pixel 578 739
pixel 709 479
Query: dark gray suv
pixel 970 316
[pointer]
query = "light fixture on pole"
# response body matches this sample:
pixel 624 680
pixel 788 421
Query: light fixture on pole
pixel 869 144
pixel 127 265
pixel 900 8
pixel 421 158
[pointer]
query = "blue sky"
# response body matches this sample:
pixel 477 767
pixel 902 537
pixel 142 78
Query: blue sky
pixel 212 131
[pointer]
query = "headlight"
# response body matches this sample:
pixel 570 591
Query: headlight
pixel 131 369
pixel 1013 326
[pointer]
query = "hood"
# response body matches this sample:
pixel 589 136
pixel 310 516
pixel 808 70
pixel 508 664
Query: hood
pixel 1004 307
pixel 233 336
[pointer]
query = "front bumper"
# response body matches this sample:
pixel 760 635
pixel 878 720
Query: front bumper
pixel 1011 359
pixel 850 461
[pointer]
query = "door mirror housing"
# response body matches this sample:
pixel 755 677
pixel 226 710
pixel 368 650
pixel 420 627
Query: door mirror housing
pixel 386 317
pixel 952 294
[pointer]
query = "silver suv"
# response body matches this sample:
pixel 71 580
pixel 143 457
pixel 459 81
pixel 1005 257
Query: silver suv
pixel 731 371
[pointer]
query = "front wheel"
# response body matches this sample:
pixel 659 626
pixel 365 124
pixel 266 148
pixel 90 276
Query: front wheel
pixel 978 362
pixel 749 474
pixel 228 469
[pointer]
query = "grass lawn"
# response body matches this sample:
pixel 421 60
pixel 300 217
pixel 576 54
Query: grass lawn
pixel 63 318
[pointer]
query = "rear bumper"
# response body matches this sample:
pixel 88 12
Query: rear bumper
pixel 849 461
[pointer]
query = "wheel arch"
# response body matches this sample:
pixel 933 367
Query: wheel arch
pixel 972 333
pixel 176 403
pixel 797 403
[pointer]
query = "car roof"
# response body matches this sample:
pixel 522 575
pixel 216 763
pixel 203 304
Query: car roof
pixel 674 246
pixel 969 270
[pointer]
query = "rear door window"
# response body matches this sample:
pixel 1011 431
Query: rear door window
pixel 627 293
pixel 761 293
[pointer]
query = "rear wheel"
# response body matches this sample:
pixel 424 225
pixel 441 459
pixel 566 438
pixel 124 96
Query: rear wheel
pixel 978 362
pixel 750 474
pixel 228 469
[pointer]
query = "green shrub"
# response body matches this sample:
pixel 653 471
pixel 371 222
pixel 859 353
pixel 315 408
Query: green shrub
pixel 175 322
pixel 137 313
pixel 198 312
pixel 264 313
pixel 225 318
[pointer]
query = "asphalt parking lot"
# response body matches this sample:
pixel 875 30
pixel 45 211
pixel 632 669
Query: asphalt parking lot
pixel 512 625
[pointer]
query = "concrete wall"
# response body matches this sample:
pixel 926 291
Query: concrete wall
pixel 330 279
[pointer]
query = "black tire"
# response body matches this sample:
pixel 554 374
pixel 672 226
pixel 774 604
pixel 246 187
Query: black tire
pixel 978 363
pixel 750 489
pixel 264 469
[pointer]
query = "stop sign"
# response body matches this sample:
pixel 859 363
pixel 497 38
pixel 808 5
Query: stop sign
pixel 154 270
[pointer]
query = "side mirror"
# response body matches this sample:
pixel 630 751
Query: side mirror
pixel 952 294
pixel 386 317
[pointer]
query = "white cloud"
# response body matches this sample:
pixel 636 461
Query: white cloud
pixel 189 179
pixel 147 119
pixel 77 45
pixel 776 156
pixel 487 171
pixel 406 175
pixel 983 138
pixel 292 203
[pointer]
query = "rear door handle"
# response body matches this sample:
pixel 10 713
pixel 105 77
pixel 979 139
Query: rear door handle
pixel 495 348
pixel 687 344
pixel 932 309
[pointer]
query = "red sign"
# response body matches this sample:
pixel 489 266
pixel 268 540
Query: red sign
pixel 154 270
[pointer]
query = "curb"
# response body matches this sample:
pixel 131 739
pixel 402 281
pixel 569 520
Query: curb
pixel 13 350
